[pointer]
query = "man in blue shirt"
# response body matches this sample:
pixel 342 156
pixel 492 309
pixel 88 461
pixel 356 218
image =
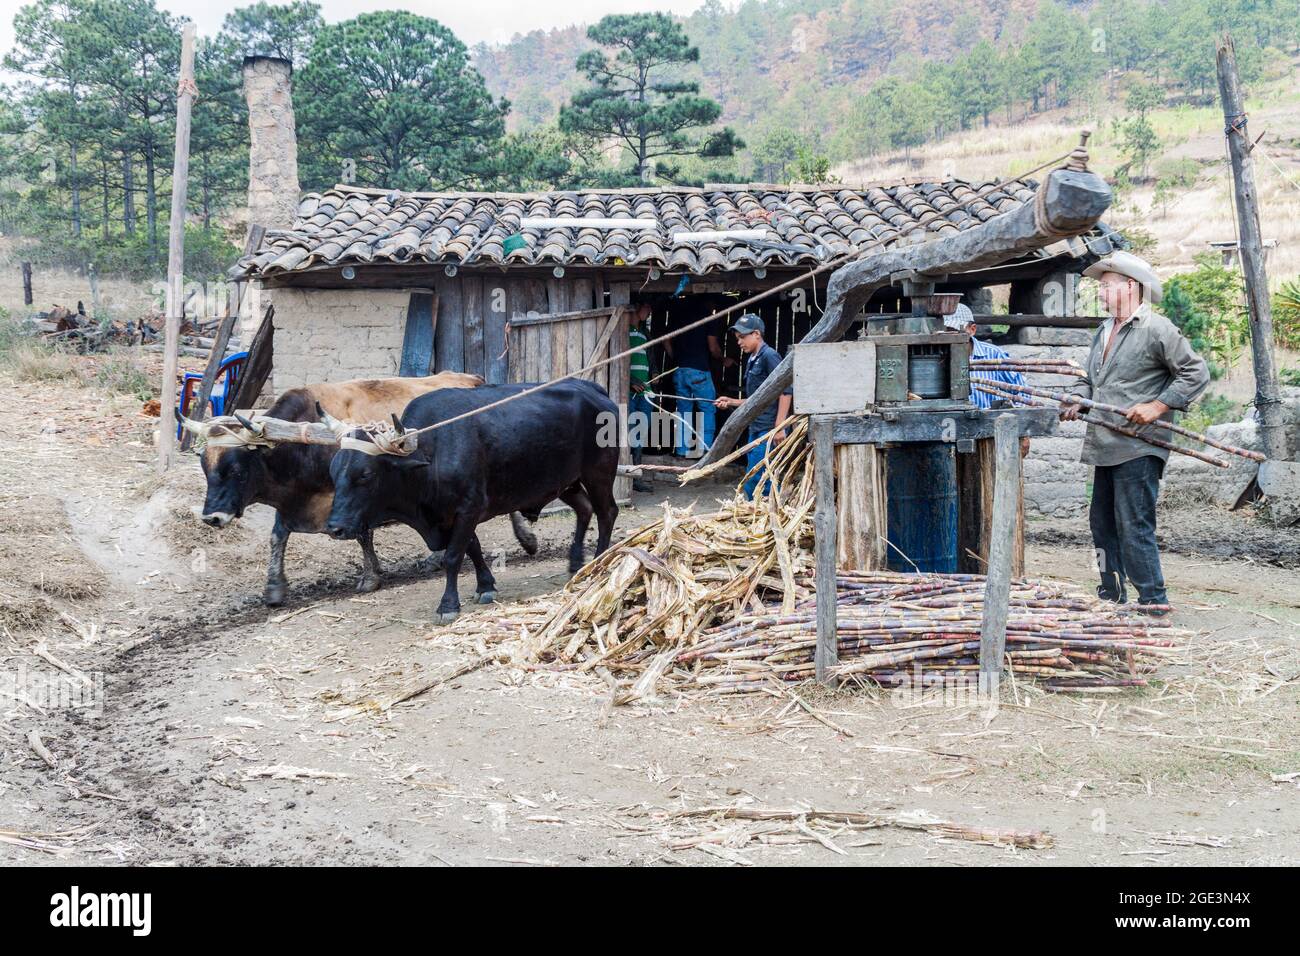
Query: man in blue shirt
pixel 963 320
pixel 761 361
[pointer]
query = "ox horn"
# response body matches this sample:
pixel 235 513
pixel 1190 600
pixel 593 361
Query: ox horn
pixel 329 421
pixel 196 428
pixel 397 425
pixel 252 427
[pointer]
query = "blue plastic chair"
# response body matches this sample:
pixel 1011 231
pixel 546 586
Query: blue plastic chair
pixel 228 375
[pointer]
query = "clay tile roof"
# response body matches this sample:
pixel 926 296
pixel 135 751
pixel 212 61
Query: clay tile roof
pixel 806 224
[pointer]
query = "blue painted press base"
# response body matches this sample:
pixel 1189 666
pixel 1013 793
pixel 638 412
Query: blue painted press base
pixel 922 510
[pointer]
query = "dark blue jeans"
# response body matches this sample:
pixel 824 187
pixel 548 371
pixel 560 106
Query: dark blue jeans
pixel 697 420
pixel 1123 521
pixel 754 458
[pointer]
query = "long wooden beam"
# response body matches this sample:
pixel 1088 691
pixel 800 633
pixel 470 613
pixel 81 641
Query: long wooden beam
pixel 1073 203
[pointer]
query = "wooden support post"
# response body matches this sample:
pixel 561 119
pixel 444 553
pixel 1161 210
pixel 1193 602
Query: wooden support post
pixel 1251 248
pixel 824 531
pixel 176 251
pixel 96 303
pixel 27 283
pixel 198 409
pixel 997 586
pixel 620 294
pixel 976 481
pixel 860 507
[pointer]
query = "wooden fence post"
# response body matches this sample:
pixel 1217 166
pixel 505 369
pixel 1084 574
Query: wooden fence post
pixel 27 283
pixel 824 542
pixel 997 585
pixel 1251 248
pixel 176 251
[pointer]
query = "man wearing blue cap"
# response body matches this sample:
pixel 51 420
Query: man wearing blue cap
pixel 761 361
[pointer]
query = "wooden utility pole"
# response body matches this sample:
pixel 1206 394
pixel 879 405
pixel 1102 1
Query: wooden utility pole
pixel 185 93
pixel 1251 247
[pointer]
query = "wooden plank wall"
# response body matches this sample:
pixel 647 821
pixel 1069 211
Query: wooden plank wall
pixel 474 312
pixel 473 332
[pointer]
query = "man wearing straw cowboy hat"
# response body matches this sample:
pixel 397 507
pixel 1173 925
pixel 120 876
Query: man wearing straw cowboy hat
pixel 1140 362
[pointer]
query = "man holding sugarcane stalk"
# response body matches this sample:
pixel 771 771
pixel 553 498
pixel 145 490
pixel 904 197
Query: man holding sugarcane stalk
pixel 761 360
pixel 1140 362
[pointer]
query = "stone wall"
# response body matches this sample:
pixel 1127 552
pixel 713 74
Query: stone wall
pixel 1055 480
pixel 331 335
pixel 1192 480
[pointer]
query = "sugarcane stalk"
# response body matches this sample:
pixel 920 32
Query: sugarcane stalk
pixel 1027 369
pixel 1149 439
pixel 1067 399
pixel 1026 360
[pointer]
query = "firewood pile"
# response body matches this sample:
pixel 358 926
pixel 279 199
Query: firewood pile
pixel 724 603
pixel 83 333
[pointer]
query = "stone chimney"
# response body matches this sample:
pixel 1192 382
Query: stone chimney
pixel 273 142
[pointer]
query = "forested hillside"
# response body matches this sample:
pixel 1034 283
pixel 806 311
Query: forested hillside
pixel 783 90
pixel 850 78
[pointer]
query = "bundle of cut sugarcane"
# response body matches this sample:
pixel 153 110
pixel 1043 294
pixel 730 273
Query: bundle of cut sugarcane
pixel 1022 399
pixel 722 603
pixel 1066 399
pixel 668 581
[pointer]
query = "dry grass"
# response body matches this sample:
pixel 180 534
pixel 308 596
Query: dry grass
pixel 33 361
pixel 40 560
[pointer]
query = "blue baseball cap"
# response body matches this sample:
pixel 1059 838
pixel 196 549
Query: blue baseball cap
pixel 747 323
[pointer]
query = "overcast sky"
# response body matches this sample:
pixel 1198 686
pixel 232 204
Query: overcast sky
pixel 472 20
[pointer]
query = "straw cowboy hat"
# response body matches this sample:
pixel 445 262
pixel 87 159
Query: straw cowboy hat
pixel 1127 264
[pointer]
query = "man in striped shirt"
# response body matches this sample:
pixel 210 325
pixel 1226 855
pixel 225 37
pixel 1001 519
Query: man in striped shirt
pixel 963 320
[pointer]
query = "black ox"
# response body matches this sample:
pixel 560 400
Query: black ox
pixel 554 443
pixel 294 478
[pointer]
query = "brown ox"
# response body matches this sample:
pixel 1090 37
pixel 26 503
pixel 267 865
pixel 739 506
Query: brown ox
pixel 294 478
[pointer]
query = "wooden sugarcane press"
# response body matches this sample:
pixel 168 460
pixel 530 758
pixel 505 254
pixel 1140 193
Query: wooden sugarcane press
pixel 913 454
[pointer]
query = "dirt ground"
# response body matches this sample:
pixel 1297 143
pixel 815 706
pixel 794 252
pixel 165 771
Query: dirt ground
pixel 232 734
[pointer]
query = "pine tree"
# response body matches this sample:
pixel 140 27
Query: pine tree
pixel 637 98
pixel 267 29
pixel 395 93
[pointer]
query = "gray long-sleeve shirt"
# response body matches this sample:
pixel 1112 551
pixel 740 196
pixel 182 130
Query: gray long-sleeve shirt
pixel 1149 360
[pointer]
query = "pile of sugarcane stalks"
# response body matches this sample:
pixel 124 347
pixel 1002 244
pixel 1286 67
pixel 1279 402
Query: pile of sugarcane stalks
pixel 900 628
pixel 724 603
pixel 668 581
